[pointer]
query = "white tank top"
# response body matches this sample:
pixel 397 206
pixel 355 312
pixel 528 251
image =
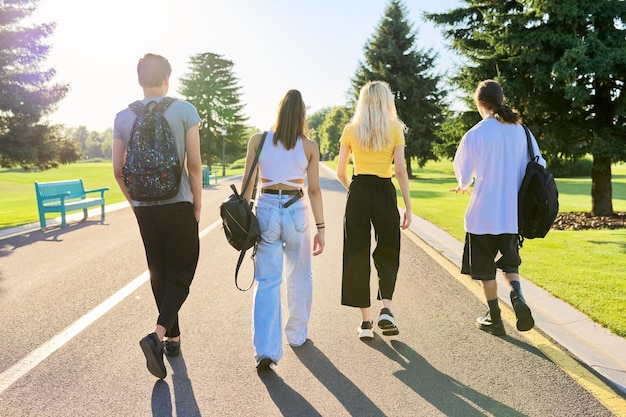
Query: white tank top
pixel 278 165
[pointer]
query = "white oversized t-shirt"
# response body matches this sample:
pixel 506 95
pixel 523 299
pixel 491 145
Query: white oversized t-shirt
pixel 493 155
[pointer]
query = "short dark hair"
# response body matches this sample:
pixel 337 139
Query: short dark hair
pixel 152 70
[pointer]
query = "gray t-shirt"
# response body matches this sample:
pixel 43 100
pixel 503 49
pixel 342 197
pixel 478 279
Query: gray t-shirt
pixel 181 116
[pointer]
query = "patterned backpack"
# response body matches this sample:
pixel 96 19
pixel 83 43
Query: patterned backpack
pixel 152 170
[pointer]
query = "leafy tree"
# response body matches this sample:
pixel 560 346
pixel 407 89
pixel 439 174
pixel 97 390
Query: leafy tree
pixel 391 56
pixel 26 92
pixel 562 65
pixel 330 131
pixel 212 87
pixel 314 122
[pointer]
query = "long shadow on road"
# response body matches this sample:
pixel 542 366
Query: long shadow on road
pixel 184 397
pixel 348 394
pixel 448 395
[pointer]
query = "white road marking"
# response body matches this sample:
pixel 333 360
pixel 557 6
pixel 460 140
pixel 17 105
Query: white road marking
pixel 26 364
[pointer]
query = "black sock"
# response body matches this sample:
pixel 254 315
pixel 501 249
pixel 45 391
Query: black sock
pixel 517 287
pixel 494 308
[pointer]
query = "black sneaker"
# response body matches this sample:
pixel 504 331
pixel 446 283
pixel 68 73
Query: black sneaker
pixel 172 348
pixel 489 325
pixel 365 330
pixel 387 323
pixel 525 319
pixel 153 350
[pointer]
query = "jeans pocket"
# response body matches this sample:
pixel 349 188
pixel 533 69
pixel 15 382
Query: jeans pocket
pixel 264 216
pixel 298 216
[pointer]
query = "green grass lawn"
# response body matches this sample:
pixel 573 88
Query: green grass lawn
pixel 583 268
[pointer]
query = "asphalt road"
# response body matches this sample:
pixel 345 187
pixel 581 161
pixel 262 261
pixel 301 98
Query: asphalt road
pixel 75 302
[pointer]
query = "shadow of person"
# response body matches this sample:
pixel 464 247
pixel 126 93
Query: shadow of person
pixel 49 234
pixel 348 394
pixel 184 397
pixel 445 393
pixel 288 400
pixel 161 402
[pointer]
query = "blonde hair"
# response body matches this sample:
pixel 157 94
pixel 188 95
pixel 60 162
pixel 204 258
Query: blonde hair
pixel 375 112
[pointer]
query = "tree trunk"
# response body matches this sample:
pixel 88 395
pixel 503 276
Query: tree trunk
pixel 409 170
pixel 601 191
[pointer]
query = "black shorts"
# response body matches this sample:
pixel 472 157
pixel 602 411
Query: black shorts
pixel 480 251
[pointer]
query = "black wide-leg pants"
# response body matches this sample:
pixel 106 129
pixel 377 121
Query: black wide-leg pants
pixel 371 201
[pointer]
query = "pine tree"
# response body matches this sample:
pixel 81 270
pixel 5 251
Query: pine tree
pixel 562 65
pixel 27 93
pixel 212 87
pixel 391 56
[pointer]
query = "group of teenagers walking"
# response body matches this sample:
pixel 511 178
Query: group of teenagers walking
pixel 491 156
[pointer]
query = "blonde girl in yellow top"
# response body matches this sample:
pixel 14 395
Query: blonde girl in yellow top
pixel 375 138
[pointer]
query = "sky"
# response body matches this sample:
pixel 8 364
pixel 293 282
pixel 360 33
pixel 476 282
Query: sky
pixel 275 45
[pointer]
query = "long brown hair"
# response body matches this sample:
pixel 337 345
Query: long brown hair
pixel 290 120
pixel 491 96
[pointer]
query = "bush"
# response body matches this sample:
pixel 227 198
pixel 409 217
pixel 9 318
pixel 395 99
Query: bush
pixel 570 168
pixel 238 164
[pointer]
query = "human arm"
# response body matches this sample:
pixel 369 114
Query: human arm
pixel 119 159
pixel 314 192
pixel 402 177
pixel 253 145
pixel 342 165
pixel 194 167
pixel 463 170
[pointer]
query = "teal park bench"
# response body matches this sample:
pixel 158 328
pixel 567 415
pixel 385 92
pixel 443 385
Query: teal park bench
pixel 208 176
pixel 64 196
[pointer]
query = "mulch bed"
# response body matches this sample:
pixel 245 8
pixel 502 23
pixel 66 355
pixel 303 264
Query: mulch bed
pixel 585 221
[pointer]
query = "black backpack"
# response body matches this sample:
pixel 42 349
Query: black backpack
pixel 152 170
pixel 538 198
pixel 241 226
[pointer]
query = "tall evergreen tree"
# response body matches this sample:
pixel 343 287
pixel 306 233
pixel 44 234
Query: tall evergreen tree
pixel 391 55
pixel 562 65
pixel 26 92
pixel 212 87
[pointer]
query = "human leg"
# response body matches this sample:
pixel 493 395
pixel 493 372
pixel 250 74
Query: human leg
pixel 268 271
pixel 509 263
pixel 298 273
pixel 355 281
pixel 182 253
pixel 479 254
pixel 149 227
pixel 386 256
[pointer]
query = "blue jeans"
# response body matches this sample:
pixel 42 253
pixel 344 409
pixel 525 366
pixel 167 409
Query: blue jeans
pixel 285 249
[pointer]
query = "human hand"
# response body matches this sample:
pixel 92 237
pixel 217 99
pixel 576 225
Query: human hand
pixel 460 190
pixel 407 220
pixel 318 242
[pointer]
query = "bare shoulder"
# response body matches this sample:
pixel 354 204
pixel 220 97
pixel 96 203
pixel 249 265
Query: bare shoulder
pixel 309 145
pixel 255 139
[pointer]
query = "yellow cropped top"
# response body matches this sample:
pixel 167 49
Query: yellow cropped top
pixel 373 162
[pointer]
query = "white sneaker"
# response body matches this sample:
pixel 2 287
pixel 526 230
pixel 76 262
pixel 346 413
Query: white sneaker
pixel 387 323
pixel 365 330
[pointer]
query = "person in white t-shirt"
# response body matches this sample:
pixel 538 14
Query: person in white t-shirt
pixel 493 155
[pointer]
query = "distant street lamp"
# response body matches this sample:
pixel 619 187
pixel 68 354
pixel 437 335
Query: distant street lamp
pixel 223 150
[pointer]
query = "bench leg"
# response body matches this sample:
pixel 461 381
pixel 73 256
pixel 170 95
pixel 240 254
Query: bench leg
pixel 85 214
pixel 63 219
pixel 42 220
pixel 102 217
